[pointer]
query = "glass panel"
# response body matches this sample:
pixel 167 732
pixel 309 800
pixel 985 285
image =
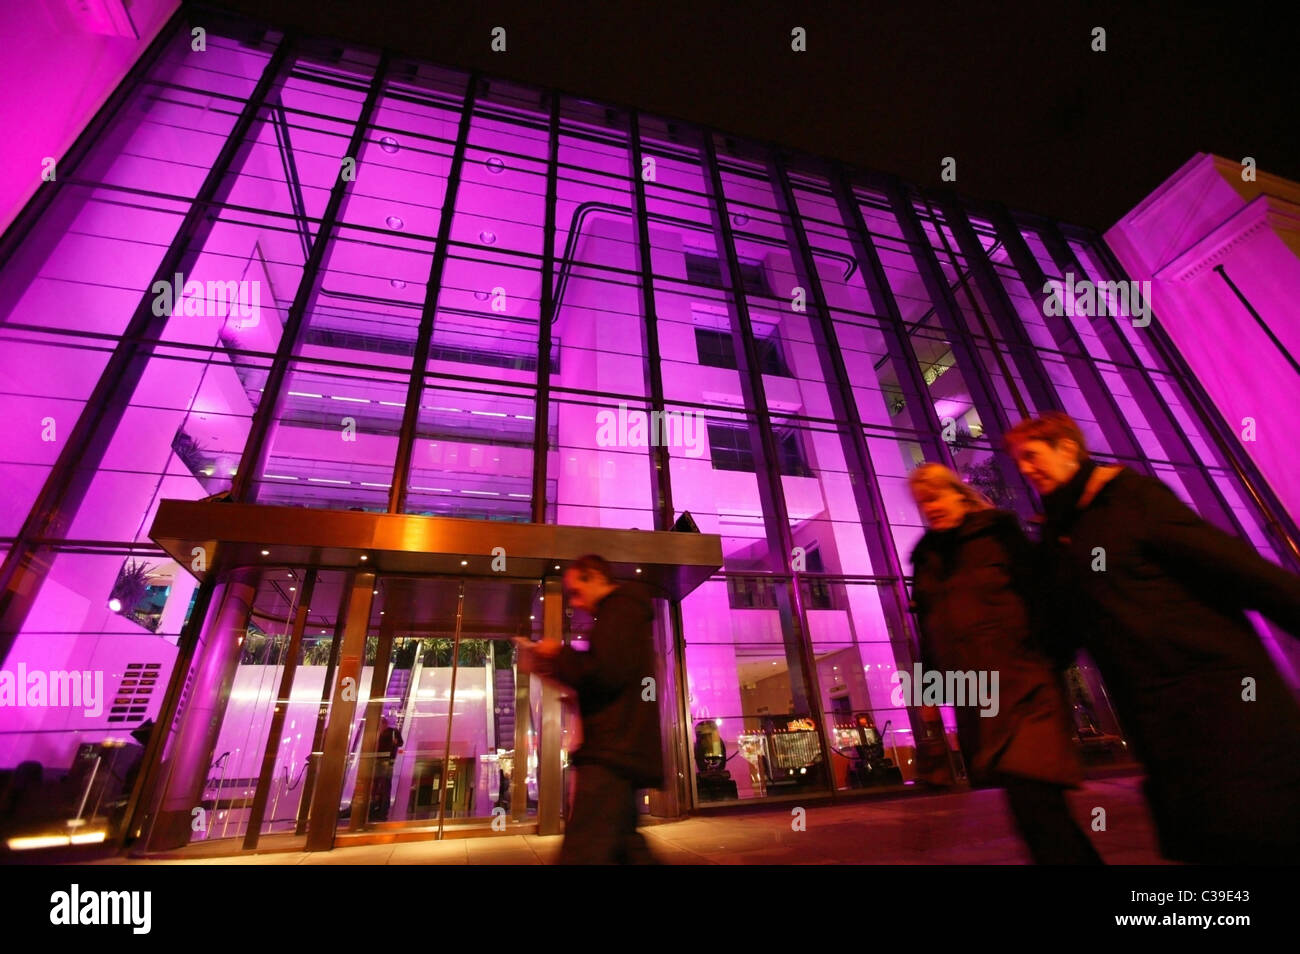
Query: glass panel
pixel 872 739
pixel 101 637
pixel 334 439
pixel 48 404
pixel 473 451
pixel 96 261
pixel 825 521
pixel 600 463
pixel 719 485
pixel 430 716
pixel 114 603
pixel 167 136
pixel 746 694
pixel 258 684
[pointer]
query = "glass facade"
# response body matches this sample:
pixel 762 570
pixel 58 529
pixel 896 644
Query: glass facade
pixel 329 278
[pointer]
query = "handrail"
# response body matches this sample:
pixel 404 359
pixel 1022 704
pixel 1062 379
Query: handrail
pixel 579 219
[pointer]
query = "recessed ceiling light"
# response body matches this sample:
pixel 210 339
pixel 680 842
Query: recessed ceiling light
pixel 481 295
pixel 495 166
pixel 397 283
pixel 389 144
pixel 394 222
pixel 740 218
pixel 487 238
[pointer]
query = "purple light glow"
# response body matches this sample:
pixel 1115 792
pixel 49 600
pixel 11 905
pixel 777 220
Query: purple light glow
pixel 337 419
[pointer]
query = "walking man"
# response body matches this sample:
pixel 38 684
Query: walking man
pixel 621 750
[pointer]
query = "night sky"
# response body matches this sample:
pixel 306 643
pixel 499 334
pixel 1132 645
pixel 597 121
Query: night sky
pixel 1013 91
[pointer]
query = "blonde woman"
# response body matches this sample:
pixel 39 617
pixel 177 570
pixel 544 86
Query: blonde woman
pixel 973 592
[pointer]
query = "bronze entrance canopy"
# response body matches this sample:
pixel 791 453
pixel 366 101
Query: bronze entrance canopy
pixel 672 564
pixel 489 559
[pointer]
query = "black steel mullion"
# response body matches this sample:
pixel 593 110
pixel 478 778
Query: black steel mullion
pixel 963 283
pixel 762 441
pixel 836 378
pixel 1060 250
pixel 1042 392
pixel 424 337
pixel 1064 334
pixel 767 462
pixel 983 393
pixel 546 317
pixel 895 331
pixel 323 705
pixel 947 310
pixel 660 470
pixel 70 477
pixel 865 481
pixel 253 459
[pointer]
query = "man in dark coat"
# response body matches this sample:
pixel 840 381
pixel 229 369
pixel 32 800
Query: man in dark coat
pixel 390 743
pixel 621 750
pixel 1157 596
pixel 973 590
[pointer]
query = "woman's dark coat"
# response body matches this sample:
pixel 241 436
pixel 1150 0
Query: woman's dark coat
pixel 971 594
pixel 1163 618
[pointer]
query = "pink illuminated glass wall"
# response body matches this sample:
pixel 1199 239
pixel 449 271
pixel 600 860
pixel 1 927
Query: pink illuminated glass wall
pixel 381 227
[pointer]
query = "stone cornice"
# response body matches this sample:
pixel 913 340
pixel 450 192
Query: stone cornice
pixel 1262 212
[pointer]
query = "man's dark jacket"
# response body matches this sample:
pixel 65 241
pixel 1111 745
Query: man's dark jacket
pixel 1165 622
pixel 620 717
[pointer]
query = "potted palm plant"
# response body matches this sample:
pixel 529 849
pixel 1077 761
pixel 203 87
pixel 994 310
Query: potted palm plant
pixel 131 587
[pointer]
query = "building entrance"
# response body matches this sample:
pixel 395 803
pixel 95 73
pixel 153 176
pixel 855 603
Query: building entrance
pixel 448 733
pixel 363 687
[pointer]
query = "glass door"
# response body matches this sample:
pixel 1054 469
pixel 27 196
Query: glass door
pixel 256 782
pixel 443 735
